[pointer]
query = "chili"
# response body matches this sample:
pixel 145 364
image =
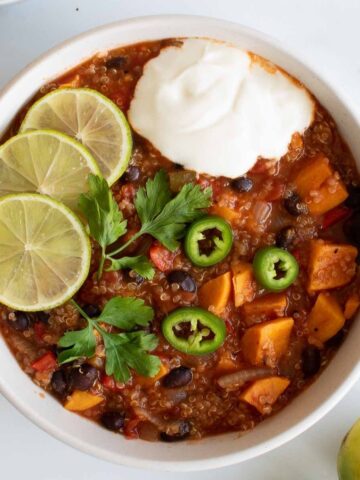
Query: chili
pixel 208 241
pixel 274 268
pixel 206 332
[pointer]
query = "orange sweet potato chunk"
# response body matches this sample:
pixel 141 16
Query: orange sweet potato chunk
pixel 319 186
pixel 326 318
pixel 243 283
pixel 272 304
pixel 227 213
pixel 266 343
pixel 330 265
pixel 216 293
pixel 351 306
pixel 149 381
pixel 262 394
pixel 80 401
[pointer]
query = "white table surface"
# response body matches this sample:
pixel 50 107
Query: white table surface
pixel 326 33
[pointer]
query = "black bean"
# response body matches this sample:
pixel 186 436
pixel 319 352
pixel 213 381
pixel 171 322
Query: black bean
pixel 132 174
pixel 113 421
pixel 182 434
pixel 242 184
pixel 83 377
pixel 294 205
pixel 311 360
pixel 352 229
pixel 184 279
pixel 285 237
pixel 91 310
pixel 177 377
pixel 43 317
pixel 22 321
pixel 353 200
pixel 116 62
pixel 60 382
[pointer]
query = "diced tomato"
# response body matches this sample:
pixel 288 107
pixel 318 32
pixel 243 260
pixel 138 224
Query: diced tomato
pixel 45 362
pixel 39 330
pixel 276 192
pixel 161 257
pixel 335 215
pixel 110 383
pixel 130 429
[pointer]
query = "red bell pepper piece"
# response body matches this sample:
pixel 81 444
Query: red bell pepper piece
pixel 335 215
pixel 39 330
pixel 162 258
pixel 45 362
pixel 110 383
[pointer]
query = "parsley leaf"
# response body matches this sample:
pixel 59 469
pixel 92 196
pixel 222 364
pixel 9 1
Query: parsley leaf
pixel 123 350
pixel 126 313
pixel 170 224
pixel 106 223
pixel 79 343
pixel 140 264
pixel 151 199
pixel 126 350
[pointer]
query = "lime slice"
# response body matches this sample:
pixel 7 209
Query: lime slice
pixel 92 119
pixel 44 252
pixel 47 162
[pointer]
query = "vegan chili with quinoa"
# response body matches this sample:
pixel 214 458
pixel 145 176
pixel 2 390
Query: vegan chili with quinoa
pixel 272 342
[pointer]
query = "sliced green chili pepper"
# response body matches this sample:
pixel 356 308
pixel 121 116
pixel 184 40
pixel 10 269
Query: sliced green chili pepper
pixel 194 330
pixel 208 241
pixel 274 268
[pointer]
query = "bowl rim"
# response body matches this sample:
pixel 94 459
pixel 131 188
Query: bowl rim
pixel 235 457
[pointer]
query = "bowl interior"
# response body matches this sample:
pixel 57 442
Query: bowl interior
pixel 214 451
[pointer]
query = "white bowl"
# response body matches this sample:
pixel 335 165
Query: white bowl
pixel 211 452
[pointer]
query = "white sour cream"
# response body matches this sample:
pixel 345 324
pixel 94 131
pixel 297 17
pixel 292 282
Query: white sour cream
pixel 208 106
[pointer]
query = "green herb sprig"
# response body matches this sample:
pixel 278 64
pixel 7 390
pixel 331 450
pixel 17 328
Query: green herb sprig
pixel 163 217
pixel 125 350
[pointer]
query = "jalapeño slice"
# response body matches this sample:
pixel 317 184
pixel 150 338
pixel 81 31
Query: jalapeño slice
pixel 208 241
pixel 194 330
pixel 274 268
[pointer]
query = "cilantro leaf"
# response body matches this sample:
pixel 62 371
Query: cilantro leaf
pixel 169 225
pixel 126 313
pixel 79 343
pixel 129 350
pixel 140 264
pixel 151 199
pixel 105 220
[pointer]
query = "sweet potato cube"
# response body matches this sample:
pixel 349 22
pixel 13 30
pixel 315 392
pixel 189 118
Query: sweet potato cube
pixel 329 197
pixel 270 305
pixel 313 175
pixel 330 265
pixel 226 363
pixel 216 293
pixel 227 213
pixel 149 381
pixel 320 186
pixel 266 343
pixel 351 306
pixel 262 394
pixel 243 283
pixel 80 401
pixel 326 318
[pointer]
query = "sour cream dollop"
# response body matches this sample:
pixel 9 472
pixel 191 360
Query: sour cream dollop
pixel 211 107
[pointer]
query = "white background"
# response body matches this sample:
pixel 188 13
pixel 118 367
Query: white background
pixel 325 33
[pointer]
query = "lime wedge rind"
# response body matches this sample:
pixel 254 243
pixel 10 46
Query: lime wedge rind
pixel 35 161
pixel 62 110
pixel 69 280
